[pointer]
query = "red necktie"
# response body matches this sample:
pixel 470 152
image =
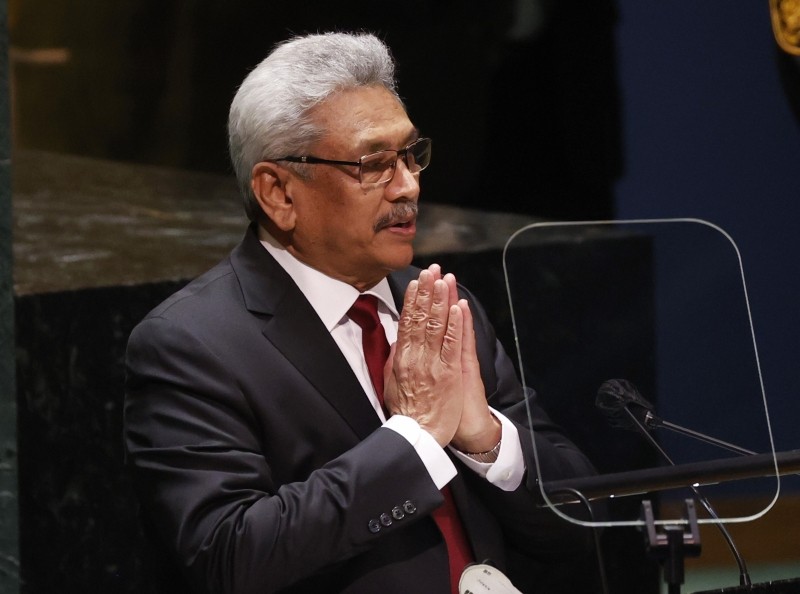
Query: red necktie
pixel 373 339
pixel 376 350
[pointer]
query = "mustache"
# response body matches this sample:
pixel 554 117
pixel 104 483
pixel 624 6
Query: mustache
pixel 400 213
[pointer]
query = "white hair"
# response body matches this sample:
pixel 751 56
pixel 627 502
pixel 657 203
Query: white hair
pixel 269 115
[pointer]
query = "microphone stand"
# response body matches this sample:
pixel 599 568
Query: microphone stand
pixel 744 576
pixel 672 543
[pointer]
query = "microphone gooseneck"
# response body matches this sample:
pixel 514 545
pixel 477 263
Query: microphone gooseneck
pixel 625 408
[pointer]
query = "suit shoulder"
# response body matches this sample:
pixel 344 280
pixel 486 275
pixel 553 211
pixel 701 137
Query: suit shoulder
pixel 213 286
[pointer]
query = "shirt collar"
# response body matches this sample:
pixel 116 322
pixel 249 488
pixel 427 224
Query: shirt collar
pixel 330 298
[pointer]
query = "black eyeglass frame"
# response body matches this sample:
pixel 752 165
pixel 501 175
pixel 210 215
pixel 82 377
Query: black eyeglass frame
pixel 402 153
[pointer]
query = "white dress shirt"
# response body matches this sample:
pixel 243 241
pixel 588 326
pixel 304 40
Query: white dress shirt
pixel 331 299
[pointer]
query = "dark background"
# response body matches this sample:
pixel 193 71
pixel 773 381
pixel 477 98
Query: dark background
pixel 523 122
pixel 580 110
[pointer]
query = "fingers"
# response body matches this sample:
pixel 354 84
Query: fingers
pixel 452 343
pixel 406 321
pixel 417 305
pixel 449 278
pixel 437 325
pixel 426 309
pixel 468 349
pixel 425 318
pixel 452 286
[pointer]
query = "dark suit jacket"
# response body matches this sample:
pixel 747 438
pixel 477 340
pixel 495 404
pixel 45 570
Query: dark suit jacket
pixel 260 462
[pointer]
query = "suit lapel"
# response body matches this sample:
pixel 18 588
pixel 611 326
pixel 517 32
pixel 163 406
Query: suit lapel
pixel 298 333
pixel 294 328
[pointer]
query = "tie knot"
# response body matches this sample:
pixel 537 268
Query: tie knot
pixel 364 312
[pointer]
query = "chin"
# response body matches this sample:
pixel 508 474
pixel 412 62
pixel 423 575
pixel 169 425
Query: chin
pixel 398 260
pixel 405 259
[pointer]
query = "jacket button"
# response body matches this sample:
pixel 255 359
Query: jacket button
pixel 398 513
pixel 409 507
pixel 386 519
pixel 374 526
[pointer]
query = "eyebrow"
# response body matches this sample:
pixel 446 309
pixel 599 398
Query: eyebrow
pixel 374 147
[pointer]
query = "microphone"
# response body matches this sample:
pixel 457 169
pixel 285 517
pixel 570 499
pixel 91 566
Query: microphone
pixel 626 408
pixel 619 400
pixel 616 396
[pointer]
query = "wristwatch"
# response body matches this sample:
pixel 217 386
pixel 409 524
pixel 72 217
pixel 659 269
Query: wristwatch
pixel 486 457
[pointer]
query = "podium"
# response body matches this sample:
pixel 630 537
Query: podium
pixel 705 365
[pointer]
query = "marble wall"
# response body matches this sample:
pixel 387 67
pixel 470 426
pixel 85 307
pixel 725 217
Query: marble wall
pixel 78 525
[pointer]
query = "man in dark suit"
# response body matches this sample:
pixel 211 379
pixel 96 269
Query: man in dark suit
pixel 268 453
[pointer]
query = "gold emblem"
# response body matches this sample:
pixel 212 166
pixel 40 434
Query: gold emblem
pixel 786 24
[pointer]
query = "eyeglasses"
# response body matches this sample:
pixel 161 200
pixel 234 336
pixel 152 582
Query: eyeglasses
pixel 379 167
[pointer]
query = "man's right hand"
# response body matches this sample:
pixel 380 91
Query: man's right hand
pixel 424 373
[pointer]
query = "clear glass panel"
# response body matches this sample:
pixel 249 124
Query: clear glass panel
pixel 662 305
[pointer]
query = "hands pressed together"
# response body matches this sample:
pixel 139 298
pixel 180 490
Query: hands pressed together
pixel 432 374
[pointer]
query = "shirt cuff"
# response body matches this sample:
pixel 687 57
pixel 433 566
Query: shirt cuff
pixel 508 470
pixel 440 468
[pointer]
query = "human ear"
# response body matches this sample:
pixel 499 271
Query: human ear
pixel 269 184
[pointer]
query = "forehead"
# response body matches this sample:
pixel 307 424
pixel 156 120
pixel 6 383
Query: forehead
pixel 366 118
